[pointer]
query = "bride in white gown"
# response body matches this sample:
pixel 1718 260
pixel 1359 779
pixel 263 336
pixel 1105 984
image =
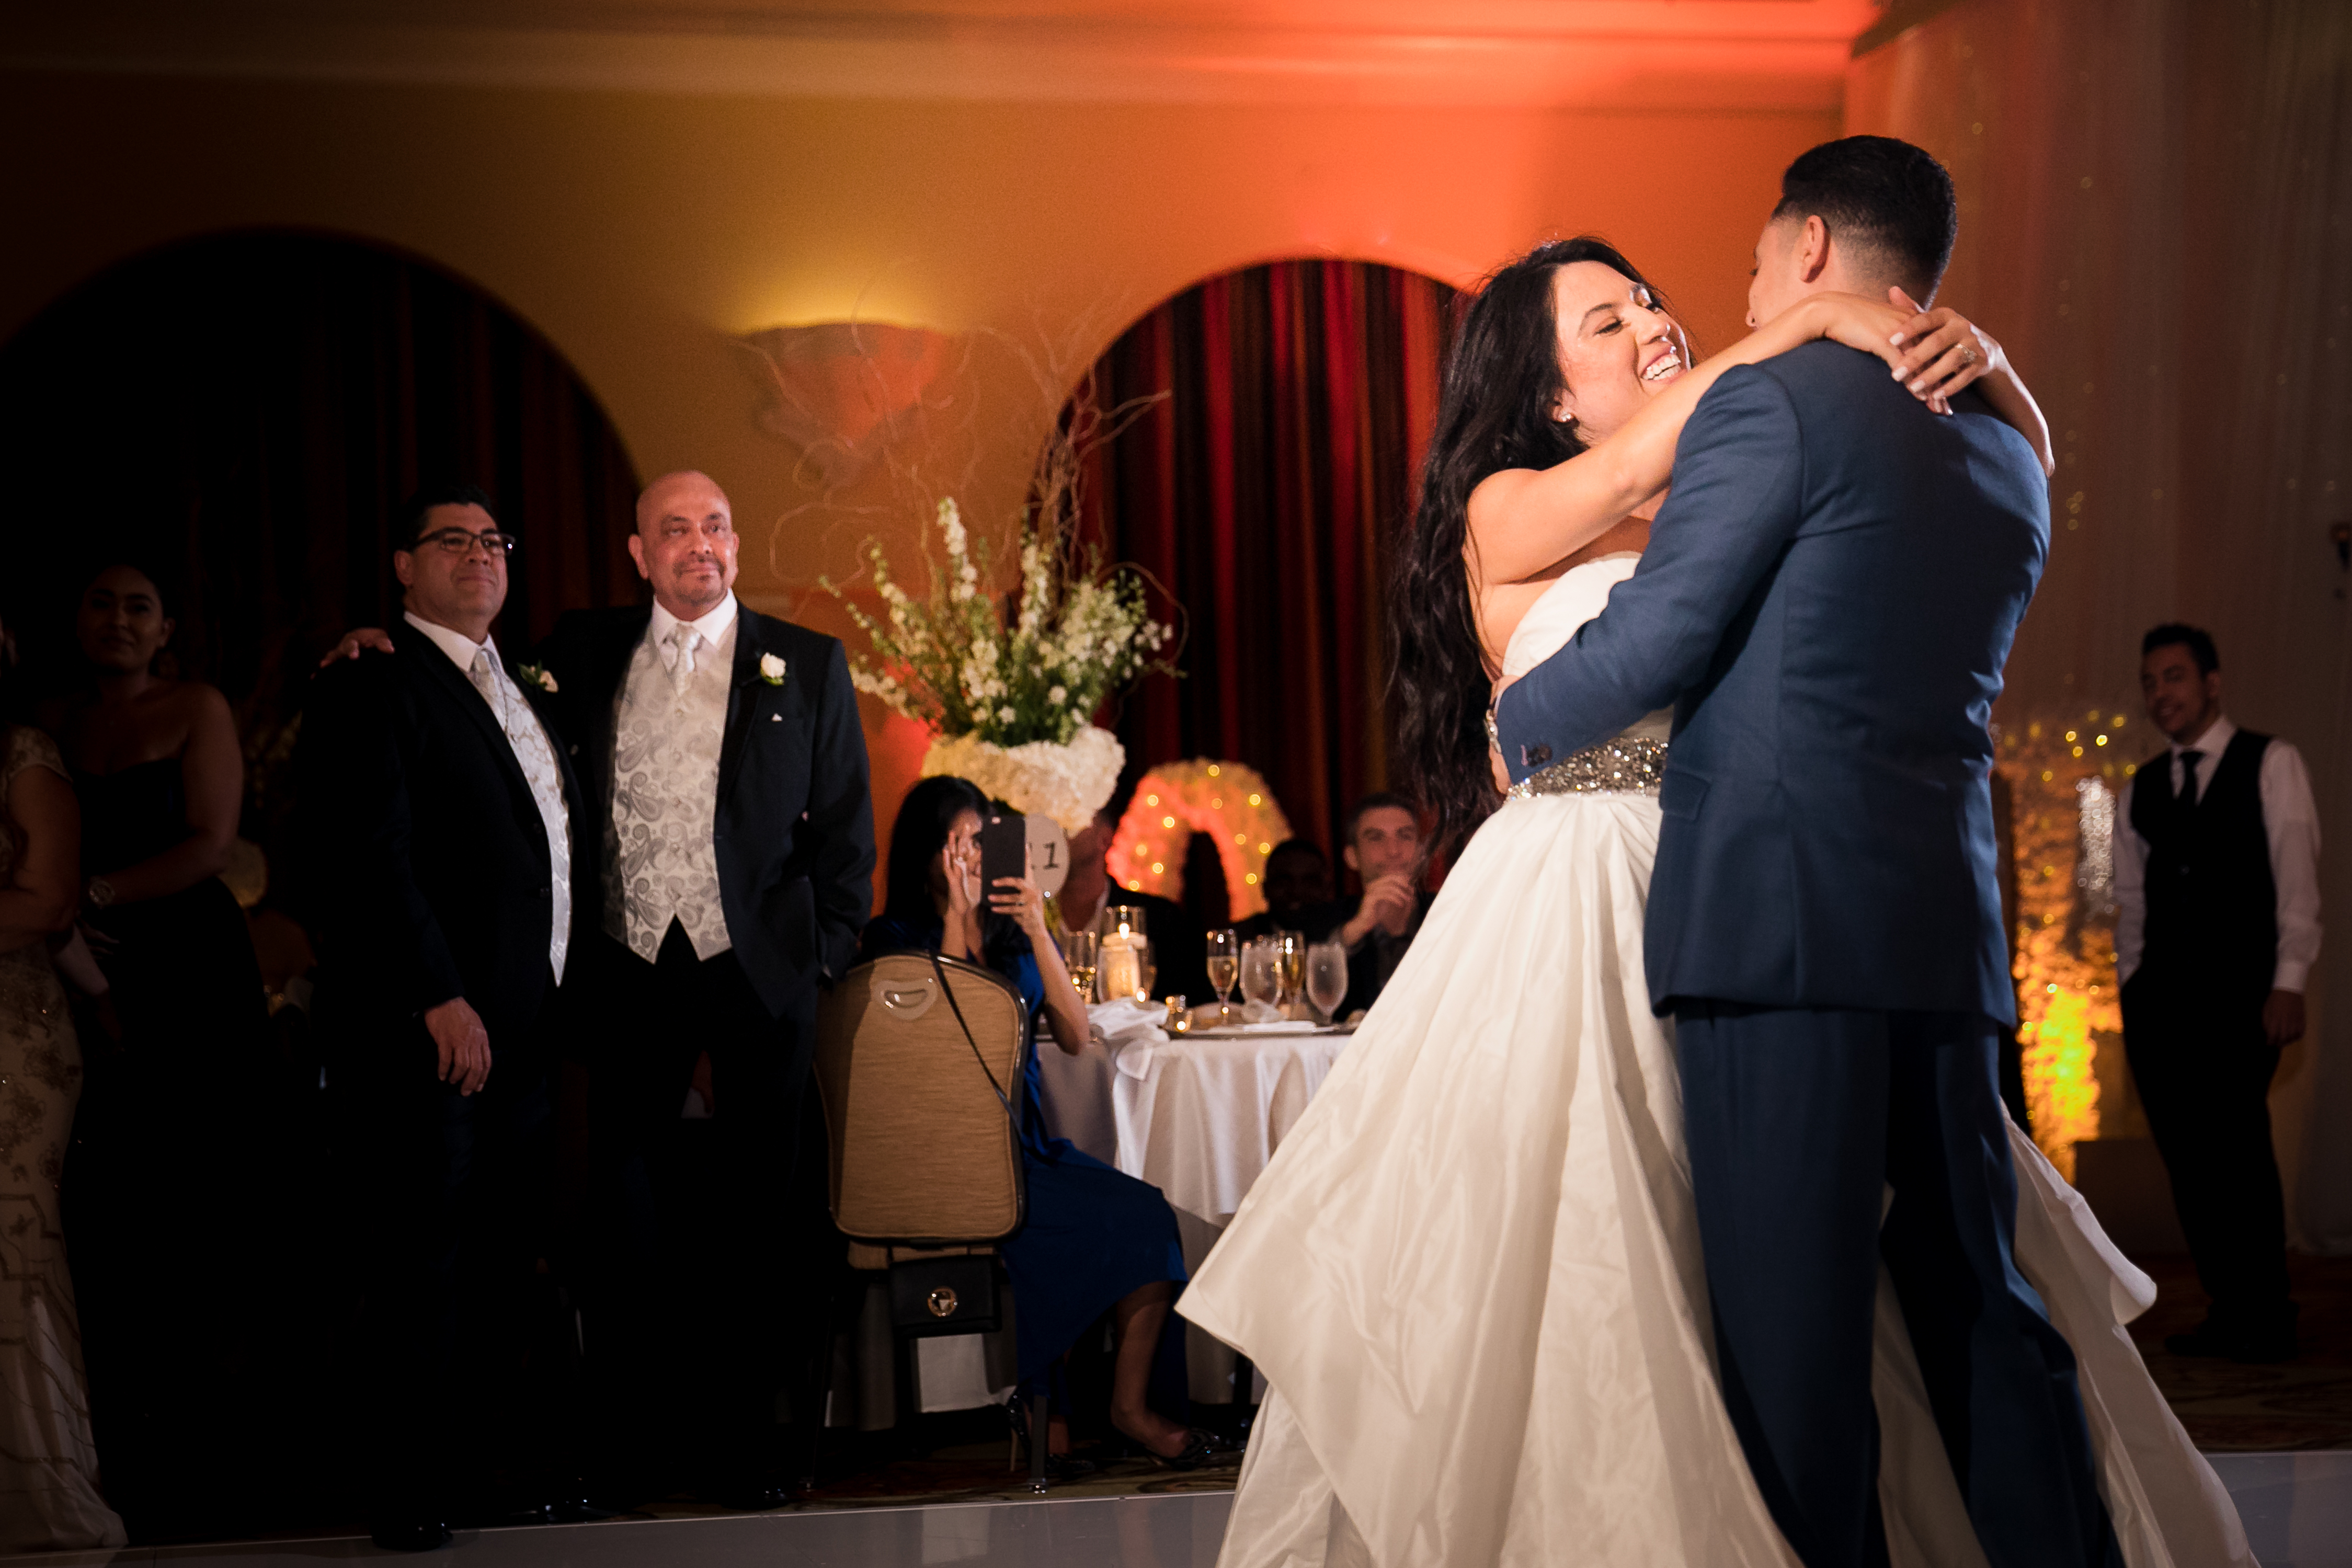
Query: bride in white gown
pixel 1471 1274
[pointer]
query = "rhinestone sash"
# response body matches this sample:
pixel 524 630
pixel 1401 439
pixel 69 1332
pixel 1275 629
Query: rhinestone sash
pixel 1629 765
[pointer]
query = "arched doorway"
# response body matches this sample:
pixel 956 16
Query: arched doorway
pixel 1264 492
pixel 245 412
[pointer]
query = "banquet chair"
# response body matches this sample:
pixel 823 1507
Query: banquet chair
pixel 919 1063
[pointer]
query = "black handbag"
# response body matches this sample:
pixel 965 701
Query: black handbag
pixel 959 1294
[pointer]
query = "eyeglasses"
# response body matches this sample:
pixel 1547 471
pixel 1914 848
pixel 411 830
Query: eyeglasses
pixel 461 542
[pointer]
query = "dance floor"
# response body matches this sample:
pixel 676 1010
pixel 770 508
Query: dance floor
pixel 2297 1507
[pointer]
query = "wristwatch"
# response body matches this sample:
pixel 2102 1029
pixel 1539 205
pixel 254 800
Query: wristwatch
pixel 97 892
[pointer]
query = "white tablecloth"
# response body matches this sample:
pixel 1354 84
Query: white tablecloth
pixel 1197 1116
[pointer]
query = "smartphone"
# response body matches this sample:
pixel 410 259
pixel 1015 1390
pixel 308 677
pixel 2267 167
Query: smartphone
pixel 1003 850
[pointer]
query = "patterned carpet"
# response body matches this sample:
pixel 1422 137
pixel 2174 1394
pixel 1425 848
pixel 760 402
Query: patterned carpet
pixel 2303 1404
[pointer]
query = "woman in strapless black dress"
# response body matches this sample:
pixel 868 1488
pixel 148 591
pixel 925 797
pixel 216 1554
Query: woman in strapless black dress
pixel 161 1204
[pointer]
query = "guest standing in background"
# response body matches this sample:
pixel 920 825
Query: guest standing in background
pixel 161 1201
pixel 1093 1239
pixel 49 1498
pixel 726 774
pixel 2217 928
pixel 1180 953
pixel 437 818
pixel 1384 846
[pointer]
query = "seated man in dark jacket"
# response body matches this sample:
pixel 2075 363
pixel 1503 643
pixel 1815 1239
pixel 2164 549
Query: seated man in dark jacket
pixel 1298 894
pixel 1383 844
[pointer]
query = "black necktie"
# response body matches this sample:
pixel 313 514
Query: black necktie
pixel 2186 796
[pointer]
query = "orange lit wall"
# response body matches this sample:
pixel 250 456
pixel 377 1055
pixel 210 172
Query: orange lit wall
pixel 642 232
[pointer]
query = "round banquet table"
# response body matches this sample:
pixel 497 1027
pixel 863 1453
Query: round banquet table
pixel 1198 1116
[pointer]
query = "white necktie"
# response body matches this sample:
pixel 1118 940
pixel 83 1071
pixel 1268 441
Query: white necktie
pixel 485 679
pixel 686 640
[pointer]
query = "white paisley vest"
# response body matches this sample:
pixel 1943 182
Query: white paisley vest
pixel 659 858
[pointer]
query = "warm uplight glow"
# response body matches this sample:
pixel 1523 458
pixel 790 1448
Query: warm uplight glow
pixel 2065 949
pixel 1180 798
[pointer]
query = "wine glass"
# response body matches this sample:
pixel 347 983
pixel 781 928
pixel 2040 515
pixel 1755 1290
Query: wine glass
pixel 1224 966
pixel 1146 970
pixel 1327 978
pixel 1261 972
pixel 1079 951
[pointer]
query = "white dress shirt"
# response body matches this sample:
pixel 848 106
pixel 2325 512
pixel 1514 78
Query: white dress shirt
pixel 2292 822
pixel 534 754
pixel 661 861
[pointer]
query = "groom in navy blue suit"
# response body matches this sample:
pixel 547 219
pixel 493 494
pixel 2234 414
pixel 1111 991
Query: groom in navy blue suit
pixel 1828 600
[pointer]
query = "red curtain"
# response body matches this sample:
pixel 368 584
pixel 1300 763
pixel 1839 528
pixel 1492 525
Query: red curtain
pixel 1264 493
pixel 242 414
pixel 245 412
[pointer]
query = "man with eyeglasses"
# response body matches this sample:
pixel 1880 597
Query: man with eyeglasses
pixel 438 816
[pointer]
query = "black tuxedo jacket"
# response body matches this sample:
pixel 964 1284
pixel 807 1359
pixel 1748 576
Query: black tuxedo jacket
pixel 794 825
pixel 425 869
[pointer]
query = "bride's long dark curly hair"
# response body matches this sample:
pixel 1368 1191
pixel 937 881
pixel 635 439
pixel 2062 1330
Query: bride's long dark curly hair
pixel 1493 412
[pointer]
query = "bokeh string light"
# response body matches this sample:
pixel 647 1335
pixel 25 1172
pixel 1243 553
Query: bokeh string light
pixel 2065 776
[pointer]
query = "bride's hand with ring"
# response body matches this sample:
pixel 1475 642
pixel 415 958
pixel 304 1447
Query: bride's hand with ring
pixel 1942 352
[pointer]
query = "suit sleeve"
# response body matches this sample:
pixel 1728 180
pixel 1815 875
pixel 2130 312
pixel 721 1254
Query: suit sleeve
pixel 840 818
pixel 363 893
pixel 1737 489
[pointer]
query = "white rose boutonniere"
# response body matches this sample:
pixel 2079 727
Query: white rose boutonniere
pixel 538 675
pixel 771 669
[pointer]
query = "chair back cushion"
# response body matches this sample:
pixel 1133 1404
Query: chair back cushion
pixel 922 1149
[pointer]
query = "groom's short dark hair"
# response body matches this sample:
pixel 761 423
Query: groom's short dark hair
pixel 1879 195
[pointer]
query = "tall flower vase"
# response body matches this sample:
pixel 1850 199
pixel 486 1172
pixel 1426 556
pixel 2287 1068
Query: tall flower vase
pixel 1059 786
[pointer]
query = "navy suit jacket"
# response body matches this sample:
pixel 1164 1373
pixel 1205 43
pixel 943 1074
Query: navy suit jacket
pixel 1828 599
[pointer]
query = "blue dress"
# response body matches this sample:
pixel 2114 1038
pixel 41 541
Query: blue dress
pixel 1093 1234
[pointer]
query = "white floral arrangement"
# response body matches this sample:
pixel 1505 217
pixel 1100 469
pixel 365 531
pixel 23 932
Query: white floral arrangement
pixel 1067 781
pixel 1010 693
pixel 949 661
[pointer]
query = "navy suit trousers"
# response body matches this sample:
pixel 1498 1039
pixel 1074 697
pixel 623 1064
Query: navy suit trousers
pixel 1800 1121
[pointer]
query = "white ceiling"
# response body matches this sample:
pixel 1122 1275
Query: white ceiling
pixel 1666 55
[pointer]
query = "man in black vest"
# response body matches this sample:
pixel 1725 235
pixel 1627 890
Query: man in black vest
pixel 2217 888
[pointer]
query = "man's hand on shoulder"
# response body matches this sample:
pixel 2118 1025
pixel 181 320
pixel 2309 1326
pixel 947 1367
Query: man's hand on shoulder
pixel 461 1045
pixel 359 640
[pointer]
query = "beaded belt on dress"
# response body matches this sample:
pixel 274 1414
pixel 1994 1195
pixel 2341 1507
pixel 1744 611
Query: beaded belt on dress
pixel 1629 765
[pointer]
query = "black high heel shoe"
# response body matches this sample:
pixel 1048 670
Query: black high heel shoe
pixel 1200 1449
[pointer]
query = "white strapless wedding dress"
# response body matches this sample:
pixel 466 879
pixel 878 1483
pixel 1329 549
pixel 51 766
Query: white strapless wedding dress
pixel 1471 1273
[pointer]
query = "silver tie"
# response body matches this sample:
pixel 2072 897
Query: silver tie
pixel 485 679
pixel 686 640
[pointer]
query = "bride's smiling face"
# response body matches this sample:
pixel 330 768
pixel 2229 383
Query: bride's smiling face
pixel 1617 347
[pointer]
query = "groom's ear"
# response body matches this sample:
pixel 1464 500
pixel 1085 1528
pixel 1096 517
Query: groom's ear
pixel 1812 249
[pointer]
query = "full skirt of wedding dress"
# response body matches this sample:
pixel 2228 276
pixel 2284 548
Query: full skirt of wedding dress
pixel 1471 1274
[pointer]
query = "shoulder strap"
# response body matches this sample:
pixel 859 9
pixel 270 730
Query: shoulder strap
pixel 947 992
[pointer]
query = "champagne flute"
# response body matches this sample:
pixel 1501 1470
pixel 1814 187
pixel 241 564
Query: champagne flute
pixel 1291 952
pixel 1225 967
pixel 1327 978
pixel 1080 951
